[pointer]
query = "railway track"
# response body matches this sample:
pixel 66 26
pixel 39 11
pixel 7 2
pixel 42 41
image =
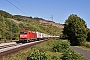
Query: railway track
pixel 8 49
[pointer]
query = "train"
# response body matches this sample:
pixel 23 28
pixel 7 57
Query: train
pixel 28 36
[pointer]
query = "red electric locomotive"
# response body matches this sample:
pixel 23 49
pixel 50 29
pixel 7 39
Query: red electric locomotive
pixel 27 35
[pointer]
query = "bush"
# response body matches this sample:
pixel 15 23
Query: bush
pixel 61 46
pixel 71 55
pixel 87 44
pixel 37 55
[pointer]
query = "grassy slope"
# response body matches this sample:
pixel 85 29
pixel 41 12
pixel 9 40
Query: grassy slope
pixel 33 24
pixel 22 22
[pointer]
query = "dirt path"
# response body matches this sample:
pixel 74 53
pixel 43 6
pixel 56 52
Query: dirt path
pixel 83 52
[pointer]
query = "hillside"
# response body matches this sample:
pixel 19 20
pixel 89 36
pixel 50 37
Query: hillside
pixel 11 25
pixel 51 23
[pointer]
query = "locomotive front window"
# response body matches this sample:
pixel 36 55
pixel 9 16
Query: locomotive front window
pixel 23 32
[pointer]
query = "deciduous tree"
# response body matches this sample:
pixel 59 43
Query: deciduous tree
pixel 76 30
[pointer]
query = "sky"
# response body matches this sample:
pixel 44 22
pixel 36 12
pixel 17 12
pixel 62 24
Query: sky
pixel 59 9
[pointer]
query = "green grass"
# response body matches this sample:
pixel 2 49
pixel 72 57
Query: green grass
pixel 86 46
pixel 26 23
pixel 42 47
pixel 54 55
pixel 45 46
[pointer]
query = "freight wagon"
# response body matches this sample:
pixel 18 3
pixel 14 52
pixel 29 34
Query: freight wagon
pixel 27 36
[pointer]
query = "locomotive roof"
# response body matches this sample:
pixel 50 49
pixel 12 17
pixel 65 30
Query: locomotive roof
pixel 27 31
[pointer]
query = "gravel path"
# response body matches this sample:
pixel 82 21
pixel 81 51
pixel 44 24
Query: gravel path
pixel 83 52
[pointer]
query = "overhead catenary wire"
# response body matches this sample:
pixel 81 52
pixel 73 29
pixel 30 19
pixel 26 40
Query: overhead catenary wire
pixel 16 7
pixel 22 5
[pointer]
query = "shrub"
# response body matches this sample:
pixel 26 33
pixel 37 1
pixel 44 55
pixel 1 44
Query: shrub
pixel 87 44
pixel 71 55
pixel 61 46
pixel 37 55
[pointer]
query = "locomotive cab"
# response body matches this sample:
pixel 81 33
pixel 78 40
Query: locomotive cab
pixel 27 36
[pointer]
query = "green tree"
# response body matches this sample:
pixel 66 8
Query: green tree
pixel 5 14
pixel 88 38
pixel 76 30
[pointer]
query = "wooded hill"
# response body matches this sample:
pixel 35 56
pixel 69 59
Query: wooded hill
pixel 10 25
